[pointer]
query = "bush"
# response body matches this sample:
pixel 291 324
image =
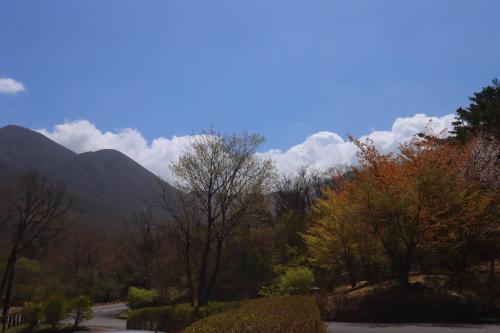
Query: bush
pixel 79 309
pixel 214 308
pixel 31 314
pixel 296 281
pixel 396 305
pixel 289 314
pixel 140 298
pixel 171 318
pixel 53 310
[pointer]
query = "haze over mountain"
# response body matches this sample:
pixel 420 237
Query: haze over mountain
pixel 106 185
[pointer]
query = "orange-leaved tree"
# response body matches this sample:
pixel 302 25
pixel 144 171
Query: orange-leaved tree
pixel 416 199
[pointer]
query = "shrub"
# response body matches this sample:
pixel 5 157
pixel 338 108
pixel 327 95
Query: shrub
pixel 396 305
pixel 140 298
pixel 214 308
pixel 79 309
pixel 296 281
pixel 289 314
pixel 171 318
pixel 174 294
pixel 53 310
pixel 31 314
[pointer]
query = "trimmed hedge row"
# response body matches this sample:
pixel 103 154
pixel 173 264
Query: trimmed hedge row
pixel 172 318
pixel 290 314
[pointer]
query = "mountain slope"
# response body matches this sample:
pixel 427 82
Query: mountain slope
pixel 106 185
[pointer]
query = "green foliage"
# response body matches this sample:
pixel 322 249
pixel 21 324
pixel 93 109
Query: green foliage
pixel 79 309
pixel 99 286
pixel 54 310
pixel 290 314
pixel 174 294
pixel 214 308
pixel 296 281
pixel 172 318
pixel 270 291
pixel 27 277
pixel 140 298
pixel 481 115
pixel 32 313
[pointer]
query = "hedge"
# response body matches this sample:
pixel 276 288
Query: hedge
pixel 172 318
pixel 290 314
pixel 395 305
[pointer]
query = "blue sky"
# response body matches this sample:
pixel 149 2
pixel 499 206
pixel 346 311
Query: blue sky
pixel 285 69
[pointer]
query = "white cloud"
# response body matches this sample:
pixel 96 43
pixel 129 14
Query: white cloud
pixel 323 150
pixel 10 86
pixel 82 136
pixel 320 150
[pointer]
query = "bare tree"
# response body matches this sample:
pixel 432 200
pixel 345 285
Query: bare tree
pixel 184 226
pixel 143 244
pixel 33 216
pixel 226 179
pixel 297 192
pixel 85 251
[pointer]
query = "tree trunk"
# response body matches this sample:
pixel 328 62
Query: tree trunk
pixel 215 272
pixel 203 271
pixel 352 279
pixel 492 277
pixel 188 273
pixel 10 263
pixel 8 291
pixel 403 273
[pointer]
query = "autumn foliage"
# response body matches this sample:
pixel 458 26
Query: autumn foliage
pixel 397 207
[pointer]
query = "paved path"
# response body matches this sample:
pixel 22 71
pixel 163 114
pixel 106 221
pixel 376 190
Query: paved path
pixel 409 328
pixel 105 318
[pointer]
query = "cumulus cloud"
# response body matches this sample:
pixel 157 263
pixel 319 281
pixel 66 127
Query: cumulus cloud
pixel 10 86
pixel 82 136
pixel 324 150
pixel 321 150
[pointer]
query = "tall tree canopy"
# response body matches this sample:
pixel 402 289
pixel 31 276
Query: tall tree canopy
pixel 226 178
pixel 482 115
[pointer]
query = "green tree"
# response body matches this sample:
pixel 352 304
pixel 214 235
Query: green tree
pixel 31 314
pixel 296 281
pixel 54 310
pixel 482 115
pixel 139 298
pixel 338 241
pixel 79 309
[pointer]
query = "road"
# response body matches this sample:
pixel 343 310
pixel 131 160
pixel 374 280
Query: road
pixel 409 328
pixel 105 318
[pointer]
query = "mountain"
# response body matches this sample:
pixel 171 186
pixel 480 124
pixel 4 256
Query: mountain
pixel 107 186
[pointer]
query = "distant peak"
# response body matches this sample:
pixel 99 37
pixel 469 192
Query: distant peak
pixel 14 128
pixel 107 151
pixel 15 131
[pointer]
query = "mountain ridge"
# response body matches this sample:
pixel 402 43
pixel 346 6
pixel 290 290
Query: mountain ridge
pixel 107 185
